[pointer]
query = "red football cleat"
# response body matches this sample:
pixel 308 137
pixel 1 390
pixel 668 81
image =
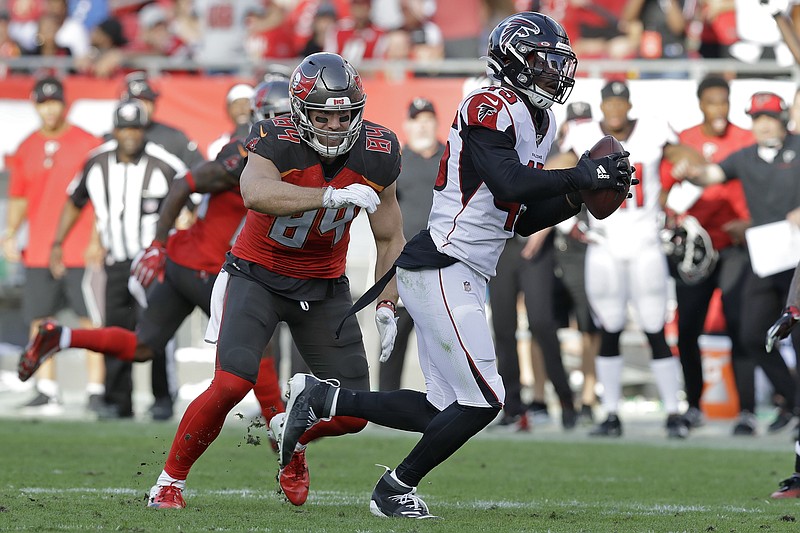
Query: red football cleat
pixel 39 349
pixel 293 479
pixel 166 497
pixel 790 488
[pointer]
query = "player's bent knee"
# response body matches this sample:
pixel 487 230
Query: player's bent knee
pixel 354 372
pixel 241 362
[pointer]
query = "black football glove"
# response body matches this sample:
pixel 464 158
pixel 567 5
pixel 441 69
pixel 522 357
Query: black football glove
pixel 610 172
pixel 781 328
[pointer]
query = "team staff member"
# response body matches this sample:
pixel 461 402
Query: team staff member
pixel 721 210
pixel 306 179
pixel 181 267
pixel 125 179
pixel 173 140
pixel 42 168
pixel 497 145
pixel 421 155
pixel 768 173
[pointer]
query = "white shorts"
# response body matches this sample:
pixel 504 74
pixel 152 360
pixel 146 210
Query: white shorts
pixel 612 282
pixel 456 351
pixel 217 306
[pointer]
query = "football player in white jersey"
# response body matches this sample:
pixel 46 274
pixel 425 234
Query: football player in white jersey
pixel 624 260
pixel 490 185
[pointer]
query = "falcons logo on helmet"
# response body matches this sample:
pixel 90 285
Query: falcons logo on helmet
pixel 518 27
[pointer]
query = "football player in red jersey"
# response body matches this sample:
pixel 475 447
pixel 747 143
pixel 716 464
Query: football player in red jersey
pixel 490 185
pixel 306 178
pixel 721 210
pixel 185 265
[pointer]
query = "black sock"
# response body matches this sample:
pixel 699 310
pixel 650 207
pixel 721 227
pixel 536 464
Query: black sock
pixel 445 434
pixel 408 410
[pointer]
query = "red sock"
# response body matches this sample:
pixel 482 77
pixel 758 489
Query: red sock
pixel 268 390
pixel 114 341
pixel 338 425
pixel 203 420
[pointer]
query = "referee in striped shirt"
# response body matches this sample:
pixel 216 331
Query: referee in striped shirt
pixel 126 179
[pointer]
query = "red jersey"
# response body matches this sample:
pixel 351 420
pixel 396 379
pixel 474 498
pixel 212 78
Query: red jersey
pixel 313 244
pixel 356 44
pixel 220 216
pixel 719 204
pixel 41 171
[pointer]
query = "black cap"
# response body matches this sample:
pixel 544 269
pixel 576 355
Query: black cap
pixel 131 114
pixel 579 111
pixel 113 28
pixel 615 89
pixel 420 105
pixel 48 88
pixel 137 86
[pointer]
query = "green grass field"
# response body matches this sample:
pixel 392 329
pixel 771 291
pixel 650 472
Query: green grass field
pixel 83 476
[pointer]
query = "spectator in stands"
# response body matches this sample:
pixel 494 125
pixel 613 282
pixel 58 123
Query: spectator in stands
pixel 356 37
pixel 46 43
pixel 717 20
pixel 321 30
pixel 9 49
pixel 71 33
pixel 222 32
pixel 663 29
pixel 268 33
pixel 185 24
pixel 461 23
pixel 786 17
pixel 721 212
pixel 426 38
pixel 138 87
pixel 237 106
pixel 598 29
pixel 759 36
pixel 41 170
pixel 23 21
pixel 155 37
pixel 106 54
pixel 422 152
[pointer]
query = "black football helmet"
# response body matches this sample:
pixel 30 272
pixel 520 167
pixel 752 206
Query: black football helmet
pixel 327 82
pixel 531 52
pixel 270 98
pixel 688 247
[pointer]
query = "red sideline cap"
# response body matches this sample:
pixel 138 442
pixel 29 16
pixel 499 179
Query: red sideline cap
pixel 766 103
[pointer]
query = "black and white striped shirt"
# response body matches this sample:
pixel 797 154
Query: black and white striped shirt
pixel 126 196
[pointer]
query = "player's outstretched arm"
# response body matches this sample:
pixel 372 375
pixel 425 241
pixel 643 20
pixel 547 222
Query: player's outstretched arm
pixel 387 228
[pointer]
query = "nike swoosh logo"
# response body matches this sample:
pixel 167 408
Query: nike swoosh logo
pixel 242 151
pixel 493 102
pixel 261 130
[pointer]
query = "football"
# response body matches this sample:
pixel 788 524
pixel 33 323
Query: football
pixel 601 203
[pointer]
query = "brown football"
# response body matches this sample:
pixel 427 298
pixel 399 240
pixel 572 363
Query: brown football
pixel 601 203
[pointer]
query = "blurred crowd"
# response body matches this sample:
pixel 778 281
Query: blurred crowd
pixel 100 35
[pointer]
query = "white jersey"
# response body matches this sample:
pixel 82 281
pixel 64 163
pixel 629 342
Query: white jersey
pixel 636 222
pixel 466 221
